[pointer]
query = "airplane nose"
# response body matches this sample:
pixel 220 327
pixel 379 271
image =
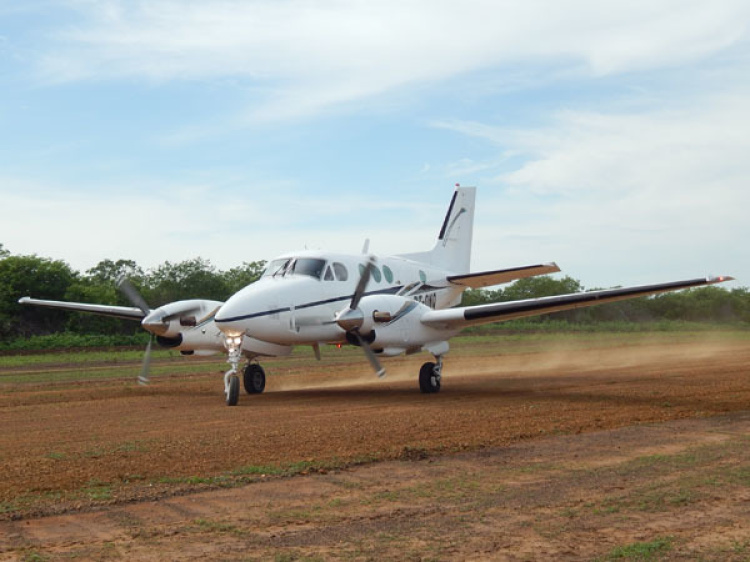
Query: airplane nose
pixel 230 317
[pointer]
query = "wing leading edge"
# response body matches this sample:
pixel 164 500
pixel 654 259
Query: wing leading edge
pixel 500 312
pixel 126 312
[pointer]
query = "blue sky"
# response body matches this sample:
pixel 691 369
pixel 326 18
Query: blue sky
pixel 611 137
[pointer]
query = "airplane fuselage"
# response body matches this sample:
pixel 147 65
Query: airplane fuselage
pixel 297 299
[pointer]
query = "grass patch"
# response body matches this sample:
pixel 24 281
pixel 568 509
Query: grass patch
pixel 96 490
pixel 35 557
pixel 56 456
pixel 217 527
pixel 642 550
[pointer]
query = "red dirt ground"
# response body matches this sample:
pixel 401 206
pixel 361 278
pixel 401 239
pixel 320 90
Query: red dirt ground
pixel 96 470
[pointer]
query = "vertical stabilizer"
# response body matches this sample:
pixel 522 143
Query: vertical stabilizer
pixel 452 250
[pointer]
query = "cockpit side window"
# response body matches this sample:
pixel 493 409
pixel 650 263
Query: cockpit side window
pixel 329 274
pixel 308 266
pixel 341 273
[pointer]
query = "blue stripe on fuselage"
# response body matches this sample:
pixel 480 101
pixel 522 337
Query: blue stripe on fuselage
pixel 389 291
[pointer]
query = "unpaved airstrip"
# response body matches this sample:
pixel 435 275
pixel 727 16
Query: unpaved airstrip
pixel 556 449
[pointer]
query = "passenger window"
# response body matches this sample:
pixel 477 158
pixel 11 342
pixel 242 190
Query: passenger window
pixel 329 274
pixel 340 270
pixel 388 274
pixel 376 274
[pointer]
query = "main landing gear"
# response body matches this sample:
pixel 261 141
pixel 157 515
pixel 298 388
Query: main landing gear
pixel 254 379
pixel 429 376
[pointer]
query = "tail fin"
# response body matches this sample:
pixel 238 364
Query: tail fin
pixel 452 250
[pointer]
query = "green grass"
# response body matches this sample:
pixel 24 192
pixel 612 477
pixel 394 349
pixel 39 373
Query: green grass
pixel 652 550
pixel 69 339
pixel 217 527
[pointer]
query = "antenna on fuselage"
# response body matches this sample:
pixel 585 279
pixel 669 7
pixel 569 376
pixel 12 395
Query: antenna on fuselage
pixel 366 246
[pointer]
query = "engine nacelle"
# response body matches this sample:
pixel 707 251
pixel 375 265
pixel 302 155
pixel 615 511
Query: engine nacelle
pixel 394 323
pixel 186 326
pixel 203 340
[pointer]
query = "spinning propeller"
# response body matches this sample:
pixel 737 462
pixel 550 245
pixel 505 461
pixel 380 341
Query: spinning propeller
pixel 155 322
pixel 351 319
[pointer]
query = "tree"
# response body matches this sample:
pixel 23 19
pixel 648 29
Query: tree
pixel 32 276
pixel 108 271
pixel 3 252
pixel 239 277
pixel 542 286
pixel 189 279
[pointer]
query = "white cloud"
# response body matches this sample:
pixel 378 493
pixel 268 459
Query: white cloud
pixel 304 56
pixel 154 223
pixel 629 195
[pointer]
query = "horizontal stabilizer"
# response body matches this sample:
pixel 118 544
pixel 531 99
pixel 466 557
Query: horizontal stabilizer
pixel 126 312
pixel 499 276
pixel 502 311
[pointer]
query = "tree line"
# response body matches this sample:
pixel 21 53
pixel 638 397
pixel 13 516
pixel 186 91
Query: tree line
pixel 45 278
pixel 703 304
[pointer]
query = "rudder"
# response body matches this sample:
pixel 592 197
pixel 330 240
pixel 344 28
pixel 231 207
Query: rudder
pixel 452 251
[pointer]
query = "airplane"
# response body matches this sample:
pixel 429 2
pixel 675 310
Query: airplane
pixel 388 306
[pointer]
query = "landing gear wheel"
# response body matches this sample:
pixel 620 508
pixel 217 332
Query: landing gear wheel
pixel 429 379
pixel 233 390
pixel 254 379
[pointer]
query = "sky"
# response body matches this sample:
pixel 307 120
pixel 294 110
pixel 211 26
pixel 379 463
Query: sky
pixel 610 137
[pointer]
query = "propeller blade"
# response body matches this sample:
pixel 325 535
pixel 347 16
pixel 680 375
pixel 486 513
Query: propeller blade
pixel 124 284
pixel 143 379
pixel 379 370
pixel 362 285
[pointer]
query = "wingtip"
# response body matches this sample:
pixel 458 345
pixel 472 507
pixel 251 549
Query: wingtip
pixel 24 300
pixel 720 279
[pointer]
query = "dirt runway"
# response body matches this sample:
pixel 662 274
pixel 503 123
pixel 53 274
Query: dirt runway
pixel 68 450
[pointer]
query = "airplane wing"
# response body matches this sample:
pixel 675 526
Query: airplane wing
pixel 500 312
pixel 489 278
pixel 126 312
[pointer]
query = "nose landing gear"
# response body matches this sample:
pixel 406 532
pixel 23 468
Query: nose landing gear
pixel 253 376
pixel 231 377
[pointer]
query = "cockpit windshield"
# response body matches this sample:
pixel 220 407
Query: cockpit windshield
pixel 312 267
pixel 308 266
pixel 276 267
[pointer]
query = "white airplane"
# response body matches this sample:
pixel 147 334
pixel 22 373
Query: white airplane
pixel 388 306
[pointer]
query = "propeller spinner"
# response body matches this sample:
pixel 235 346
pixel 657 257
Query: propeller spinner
pixel 351 319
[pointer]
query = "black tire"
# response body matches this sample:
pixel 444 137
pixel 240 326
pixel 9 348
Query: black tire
pixel 234 391
pixel 429 382
pixel 254 379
